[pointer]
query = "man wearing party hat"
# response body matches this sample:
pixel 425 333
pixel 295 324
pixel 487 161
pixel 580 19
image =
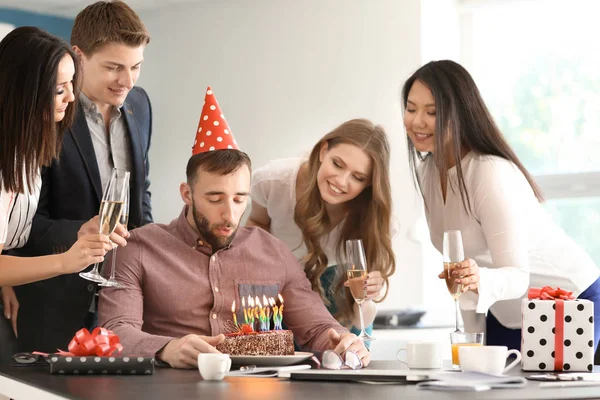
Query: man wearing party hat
pixel 181 279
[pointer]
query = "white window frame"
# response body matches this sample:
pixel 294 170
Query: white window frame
pixel 553 186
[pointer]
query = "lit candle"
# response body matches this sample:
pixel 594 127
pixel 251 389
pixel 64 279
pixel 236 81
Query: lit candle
pixel 266 303
pixel 259 315
pixel 275 308
pixel 280 307
pixel 263 320
pixel 233 312
pixel 251 312
pixel 256 309
pixel 245 314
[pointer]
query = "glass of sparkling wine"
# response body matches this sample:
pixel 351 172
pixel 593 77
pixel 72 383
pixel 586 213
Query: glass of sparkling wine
pixel 112 282
pixel 357 274
pixel 453 253
pixel 110 213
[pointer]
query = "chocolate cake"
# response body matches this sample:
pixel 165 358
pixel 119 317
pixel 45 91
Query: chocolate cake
pixel 269 343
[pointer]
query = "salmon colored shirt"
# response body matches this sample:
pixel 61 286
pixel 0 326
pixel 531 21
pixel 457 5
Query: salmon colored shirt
pixel 175 286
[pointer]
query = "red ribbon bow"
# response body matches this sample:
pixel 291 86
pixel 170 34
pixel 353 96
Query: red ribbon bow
pixel 559 296
pixel 101 342
pixel 549 293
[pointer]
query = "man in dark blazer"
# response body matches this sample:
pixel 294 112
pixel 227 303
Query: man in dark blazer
pixel 113 127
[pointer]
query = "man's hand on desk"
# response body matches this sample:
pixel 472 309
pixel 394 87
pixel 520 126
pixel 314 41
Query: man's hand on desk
pixel 183 353
pixel 349 341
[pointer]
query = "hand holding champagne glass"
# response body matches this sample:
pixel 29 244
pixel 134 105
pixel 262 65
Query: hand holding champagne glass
pixel 87 250
pixel 112 282
pixel 357 275
pixel 453 253
pixel 110 212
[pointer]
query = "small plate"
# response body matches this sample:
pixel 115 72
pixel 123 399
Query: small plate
pixel 270 361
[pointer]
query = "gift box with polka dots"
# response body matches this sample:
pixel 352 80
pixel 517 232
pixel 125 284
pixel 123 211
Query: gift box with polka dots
pixel 95 365
pixel 540 336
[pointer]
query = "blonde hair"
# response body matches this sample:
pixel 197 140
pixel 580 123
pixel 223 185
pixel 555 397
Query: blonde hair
pixel 368 215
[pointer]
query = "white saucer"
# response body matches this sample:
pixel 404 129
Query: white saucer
pixel 270 361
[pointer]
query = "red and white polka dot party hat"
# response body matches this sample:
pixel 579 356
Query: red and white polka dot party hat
pixel 213 131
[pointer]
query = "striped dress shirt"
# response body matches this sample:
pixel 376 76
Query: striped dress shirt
pixel 16 214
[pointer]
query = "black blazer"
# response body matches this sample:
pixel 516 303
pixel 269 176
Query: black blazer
pixel 51 311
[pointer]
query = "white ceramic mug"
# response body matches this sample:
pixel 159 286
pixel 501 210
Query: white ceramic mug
pixel 487 359
pixel 422 355
pixel 213 366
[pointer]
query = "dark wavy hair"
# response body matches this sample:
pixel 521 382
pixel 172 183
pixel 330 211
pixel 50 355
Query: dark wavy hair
pixel 30 137
pixel 462 121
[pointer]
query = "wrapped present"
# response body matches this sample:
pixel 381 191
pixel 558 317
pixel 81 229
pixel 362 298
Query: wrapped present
pixel 101 342
pixel 557 331
pixel 97 353
pixel 101 365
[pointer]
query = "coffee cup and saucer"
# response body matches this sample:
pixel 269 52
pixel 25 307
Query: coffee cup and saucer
pixel 489 360
pixel 213 366
pixel 421 355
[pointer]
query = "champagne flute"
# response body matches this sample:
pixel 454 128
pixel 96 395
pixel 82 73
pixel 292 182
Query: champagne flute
pixel 357 274
pixel 453 253
pixel 112 282
pixel 110 212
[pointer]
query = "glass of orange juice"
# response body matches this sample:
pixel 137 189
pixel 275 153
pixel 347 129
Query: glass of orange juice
pixel 458 339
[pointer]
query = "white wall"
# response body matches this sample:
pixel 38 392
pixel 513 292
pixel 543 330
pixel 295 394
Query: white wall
pixel 285 72
pixel 5 29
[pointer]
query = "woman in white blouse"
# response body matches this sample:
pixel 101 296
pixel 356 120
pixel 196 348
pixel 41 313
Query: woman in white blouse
pixel 314 205
pixel 472 181
pixel 38 77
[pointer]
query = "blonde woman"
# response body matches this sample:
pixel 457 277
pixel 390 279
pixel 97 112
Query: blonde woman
pixel 342 191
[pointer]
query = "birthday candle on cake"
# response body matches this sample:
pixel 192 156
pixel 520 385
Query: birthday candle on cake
pixel 280 307
pixel 263 318
pixel 275 317
pixel 268 310
pixel 234 316
pixel 245 314
pixel 258 316
pixel 257 303
pixel 251 312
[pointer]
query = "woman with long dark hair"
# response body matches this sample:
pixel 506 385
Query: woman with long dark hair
pixel 472 181
pixel 341 192
pixel 38 77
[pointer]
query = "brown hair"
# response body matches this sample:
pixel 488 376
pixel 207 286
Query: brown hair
pixel 368 215
pixel 108 22
pixel 30 138
pixel 222 162
pixel 462 121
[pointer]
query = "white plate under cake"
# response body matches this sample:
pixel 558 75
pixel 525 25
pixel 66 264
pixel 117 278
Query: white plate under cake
pixel 271 361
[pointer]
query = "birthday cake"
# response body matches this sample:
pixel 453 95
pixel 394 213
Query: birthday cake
pixel 255 337
pixel 269 343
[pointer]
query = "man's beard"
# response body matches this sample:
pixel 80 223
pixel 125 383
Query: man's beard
pixel 206 231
